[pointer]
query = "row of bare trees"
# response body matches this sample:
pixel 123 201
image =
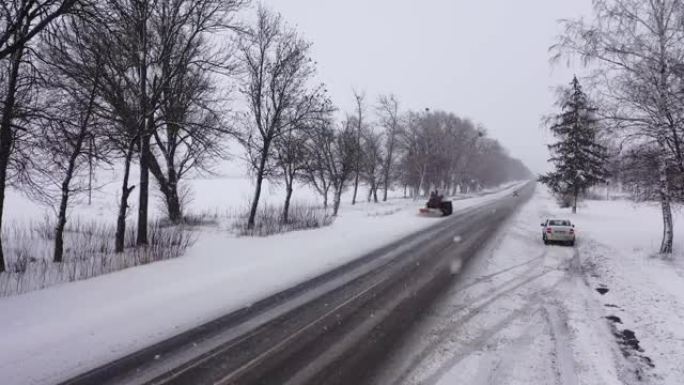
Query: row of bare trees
pixel 290 133
pixel 385 150
pixel 115 83
pixel 635 53
pixel 20 23
pixel 143 87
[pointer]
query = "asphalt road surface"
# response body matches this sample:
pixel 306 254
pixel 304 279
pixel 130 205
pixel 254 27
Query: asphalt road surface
pixel 333 329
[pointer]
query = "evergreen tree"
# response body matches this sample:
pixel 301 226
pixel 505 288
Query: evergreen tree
pixel 578 158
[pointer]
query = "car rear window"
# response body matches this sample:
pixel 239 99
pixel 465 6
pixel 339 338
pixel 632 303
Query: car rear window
pixel 559 223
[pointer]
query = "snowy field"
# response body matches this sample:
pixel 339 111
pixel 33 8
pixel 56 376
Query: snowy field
pixel 523 313
pixel 63 330
pixel 28 229
pixel 224 193
pixel 220 201
pixel 213 203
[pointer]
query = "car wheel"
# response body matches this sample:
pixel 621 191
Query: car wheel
pixel 546 241
pixel 572 243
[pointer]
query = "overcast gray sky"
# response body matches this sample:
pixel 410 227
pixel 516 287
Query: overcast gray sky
pixel 482 59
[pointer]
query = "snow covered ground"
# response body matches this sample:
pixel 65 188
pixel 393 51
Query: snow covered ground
pixel 52 334
pixel 89 238
pixel 524 313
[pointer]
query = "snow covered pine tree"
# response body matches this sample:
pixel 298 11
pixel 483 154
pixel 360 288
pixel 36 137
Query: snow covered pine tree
pixel 579 160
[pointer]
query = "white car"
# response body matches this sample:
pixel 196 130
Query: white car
pixel 558 230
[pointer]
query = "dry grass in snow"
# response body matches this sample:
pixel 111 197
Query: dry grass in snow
pixel 89 252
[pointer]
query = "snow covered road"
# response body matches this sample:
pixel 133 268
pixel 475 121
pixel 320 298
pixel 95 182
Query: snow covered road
pixel 519 313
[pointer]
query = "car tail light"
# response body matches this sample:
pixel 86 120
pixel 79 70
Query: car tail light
pixel 572 231
pixel 549 230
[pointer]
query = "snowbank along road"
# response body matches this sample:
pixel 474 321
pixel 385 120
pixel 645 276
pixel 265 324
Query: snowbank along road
pixel 522 313
pixel 332 329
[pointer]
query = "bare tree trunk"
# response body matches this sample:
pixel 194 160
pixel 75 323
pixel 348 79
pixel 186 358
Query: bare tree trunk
pixel 322 187
pixel 173 203
pixel 664 192
pixel 3 182
pixel 255 201
pixel 168 187
pixel 375 194
pixel 387 170
pixel 6 135
pixel 58 254
pixel 90 171
pixel 123 204
pixel 389 107
pixel 337 200
pixel 356 185
pixel 357 150
pixel 143 134
pixel 422 181
pixel 286 207
pixel 574 200
pixel 385 188
pixel 386 176
pixel 257 190
pixel 143 200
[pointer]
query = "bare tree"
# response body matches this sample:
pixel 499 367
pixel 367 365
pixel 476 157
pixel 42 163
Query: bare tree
pixel 465 158
pixel 163 108
pixel 278 71
pixel 388 111
pixel 71 47
pixel 164 40
pixel 76 51
pixel 62 145
pixel 636 48
pixel 439 150
pixel 11 85
pixel 638 172
pixel 372 161
pixel 319 154
pixel 358 121
pixel 421 141
pixel 143 43
pixel 69 134
pixel 22 20
pixel 343 159
pixel 331 159
pixel 290 162
pixel 188 128
pixel 294 154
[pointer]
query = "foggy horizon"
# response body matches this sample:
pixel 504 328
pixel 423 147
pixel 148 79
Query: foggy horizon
pixel 495 73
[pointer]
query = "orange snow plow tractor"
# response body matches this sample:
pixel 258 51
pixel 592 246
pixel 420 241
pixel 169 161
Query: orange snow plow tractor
pixel 436 206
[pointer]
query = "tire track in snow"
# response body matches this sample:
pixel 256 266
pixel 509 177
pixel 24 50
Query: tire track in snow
pixel 507 361
pixel 533 305
pixel 488 277
pixel 485 301
pixel 560 335
pixel 477 343
pixel 481 303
